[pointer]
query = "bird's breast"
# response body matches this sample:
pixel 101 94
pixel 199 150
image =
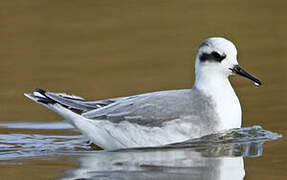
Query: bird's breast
pixel 228 109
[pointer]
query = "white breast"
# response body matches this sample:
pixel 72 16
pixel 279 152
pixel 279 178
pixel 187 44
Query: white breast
pixel 227 105
pixel 228 108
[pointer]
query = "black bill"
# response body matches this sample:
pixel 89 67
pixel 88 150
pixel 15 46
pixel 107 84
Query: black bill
pixel 238 70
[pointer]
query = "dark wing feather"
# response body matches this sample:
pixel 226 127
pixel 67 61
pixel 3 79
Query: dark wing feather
pixel 71 102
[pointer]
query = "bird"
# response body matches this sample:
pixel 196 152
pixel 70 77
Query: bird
pixel 162 117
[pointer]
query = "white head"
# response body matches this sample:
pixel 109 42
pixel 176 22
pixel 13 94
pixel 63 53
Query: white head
pixel 217 59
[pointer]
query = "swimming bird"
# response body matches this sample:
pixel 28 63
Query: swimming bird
pixel 163 117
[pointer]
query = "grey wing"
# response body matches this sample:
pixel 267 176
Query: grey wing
pixel 150 109
pixel 72 102
pixel 78 103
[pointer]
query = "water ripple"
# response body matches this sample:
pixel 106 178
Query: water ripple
pixel 237 142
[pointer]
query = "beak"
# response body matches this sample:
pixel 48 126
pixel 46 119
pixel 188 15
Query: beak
pixel 238 70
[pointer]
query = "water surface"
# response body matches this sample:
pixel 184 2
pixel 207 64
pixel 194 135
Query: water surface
pixel 217 156
pixel 102 49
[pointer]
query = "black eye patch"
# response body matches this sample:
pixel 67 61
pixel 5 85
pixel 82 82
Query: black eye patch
pixel 213 56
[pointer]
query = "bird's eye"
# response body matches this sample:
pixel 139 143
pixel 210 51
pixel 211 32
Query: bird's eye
pixel 213 56
pixel 216 55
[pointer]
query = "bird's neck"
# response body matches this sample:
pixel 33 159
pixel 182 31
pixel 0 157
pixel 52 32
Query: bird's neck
pixel 227 105
pixel 212 83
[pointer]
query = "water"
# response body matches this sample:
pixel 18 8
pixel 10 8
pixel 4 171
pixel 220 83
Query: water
pixel 217 156
pixel 29 145
pixel 103 49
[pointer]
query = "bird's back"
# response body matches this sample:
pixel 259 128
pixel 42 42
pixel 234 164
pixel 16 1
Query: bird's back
pixel 157 108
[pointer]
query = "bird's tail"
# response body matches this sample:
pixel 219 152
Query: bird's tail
pixel 71 108
pixel 67 106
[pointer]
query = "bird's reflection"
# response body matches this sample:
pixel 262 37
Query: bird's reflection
pixel 215 157
pixel 183 163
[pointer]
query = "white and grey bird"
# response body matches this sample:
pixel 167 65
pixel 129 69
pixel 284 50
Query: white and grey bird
pixel 164 117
